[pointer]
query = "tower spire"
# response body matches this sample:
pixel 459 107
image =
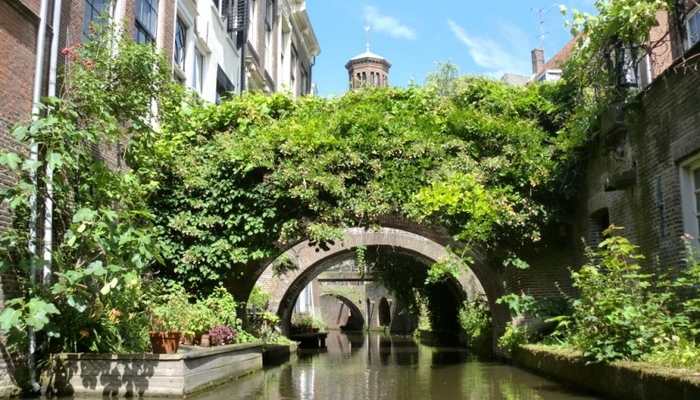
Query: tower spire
pixel 367 38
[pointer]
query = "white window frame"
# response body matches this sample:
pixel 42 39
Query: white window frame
pixel 690 197
pixel 692 37
pixel 199 68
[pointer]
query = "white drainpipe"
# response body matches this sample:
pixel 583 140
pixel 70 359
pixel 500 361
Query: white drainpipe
pixel 48 201
pixel 36 98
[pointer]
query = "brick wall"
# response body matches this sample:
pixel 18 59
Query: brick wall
pixel 18 29
pixel 662 131
pixel 166 32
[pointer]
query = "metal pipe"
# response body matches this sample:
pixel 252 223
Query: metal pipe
pixel 48 198
pixel 34 150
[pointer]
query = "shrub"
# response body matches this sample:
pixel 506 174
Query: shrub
pixel 622 312
pixel 475 319
pixel 222 334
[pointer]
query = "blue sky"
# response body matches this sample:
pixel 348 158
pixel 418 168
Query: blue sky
pixel 481 37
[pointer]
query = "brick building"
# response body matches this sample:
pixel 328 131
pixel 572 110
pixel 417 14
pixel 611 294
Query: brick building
pixel 643 170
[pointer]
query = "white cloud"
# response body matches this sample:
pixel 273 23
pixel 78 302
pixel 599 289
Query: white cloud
pixel 491 55
pixel 386 23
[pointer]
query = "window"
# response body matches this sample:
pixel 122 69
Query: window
pixel 690 185
pixel 92 14
pixel 224 86
pixel 269 12
pixel 597 223
pixel 234 16
pixel 693 27
pixel 146 21
pixel 253 34
pixel 198 72
pixel 268 34
pixel 304 82
pixel 293 71
pixel 268 53
pixel 645 73
pixel 180 43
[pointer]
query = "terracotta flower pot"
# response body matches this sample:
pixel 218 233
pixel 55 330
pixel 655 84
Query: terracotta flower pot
pixel 204 342
pixel 187 339
pixel 164 342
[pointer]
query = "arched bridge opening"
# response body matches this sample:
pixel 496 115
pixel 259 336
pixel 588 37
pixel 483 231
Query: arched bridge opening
pixel 310 261
pixel 340 312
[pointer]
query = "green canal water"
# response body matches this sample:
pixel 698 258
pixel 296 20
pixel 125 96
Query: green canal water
pixel 372 367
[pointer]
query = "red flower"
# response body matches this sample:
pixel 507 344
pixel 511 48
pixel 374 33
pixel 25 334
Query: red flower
pixel 89 63
pixel 78 45
pixel 65 51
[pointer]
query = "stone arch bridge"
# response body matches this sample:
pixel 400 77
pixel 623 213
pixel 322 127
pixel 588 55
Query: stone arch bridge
pixel 427 249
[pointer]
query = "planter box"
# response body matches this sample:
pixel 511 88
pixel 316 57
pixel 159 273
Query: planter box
pixel 190 370
pixel 618 380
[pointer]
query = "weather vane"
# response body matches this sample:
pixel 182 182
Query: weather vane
pixel 367 37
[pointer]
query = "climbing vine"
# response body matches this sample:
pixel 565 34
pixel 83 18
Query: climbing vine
pixel 257 172
pixel 609 46
pixel 103 233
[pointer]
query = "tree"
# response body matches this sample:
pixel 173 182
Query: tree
pixel 446 80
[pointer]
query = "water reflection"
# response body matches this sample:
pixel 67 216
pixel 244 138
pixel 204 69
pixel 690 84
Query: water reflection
pixel 357 366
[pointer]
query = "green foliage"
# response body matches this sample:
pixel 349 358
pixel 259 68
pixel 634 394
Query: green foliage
pixel 513 337
pixel 620 26
pixel 529 306
pixel 258 300
pixel 222 304
pixel 303 321
pixel 446 80
pixel 475 319
pixel 283 264
pixel 625 313
pixel 103 230
pixel 171 310
pixel 258 172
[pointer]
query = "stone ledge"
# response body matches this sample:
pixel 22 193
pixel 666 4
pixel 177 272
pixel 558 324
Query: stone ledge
pixel 189 371
pixel 618 380
pixel 277 354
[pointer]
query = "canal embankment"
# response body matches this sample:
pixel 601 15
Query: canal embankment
pixel 192 369
pixel 616 380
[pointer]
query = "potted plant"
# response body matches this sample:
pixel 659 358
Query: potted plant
pixel 201 320
pixel 170 315
pixel 318 324
pixel 302 322
pixel 222 334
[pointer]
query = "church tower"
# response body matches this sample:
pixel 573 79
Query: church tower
pixel 368 69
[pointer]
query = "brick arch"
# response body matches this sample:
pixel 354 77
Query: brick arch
pixel 426 245
pixel 354 308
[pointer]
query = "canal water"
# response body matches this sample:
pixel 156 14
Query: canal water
pixel 373 367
